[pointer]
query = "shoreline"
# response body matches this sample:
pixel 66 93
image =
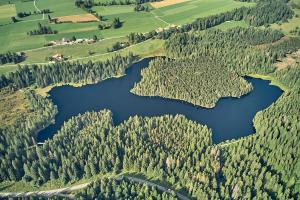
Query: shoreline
pixel 272 80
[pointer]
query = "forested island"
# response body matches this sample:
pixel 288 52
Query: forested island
pixel 201 64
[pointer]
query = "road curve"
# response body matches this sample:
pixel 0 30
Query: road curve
pixel 159 187
pixel 62 192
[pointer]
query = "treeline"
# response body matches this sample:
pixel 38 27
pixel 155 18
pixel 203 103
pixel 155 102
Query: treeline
pixel 182 78
pixel 42 30
pixel 121 189
pixel 26 14
pixel 66 72
pixel 122 2
pixel 11 57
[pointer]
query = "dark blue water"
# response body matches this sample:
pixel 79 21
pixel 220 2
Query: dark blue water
pixel 230 118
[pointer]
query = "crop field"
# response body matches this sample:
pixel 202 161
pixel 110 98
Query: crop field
pixel 160 4
pixel 77 18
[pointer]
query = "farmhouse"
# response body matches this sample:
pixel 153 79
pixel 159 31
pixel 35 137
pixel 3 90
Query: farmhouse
pixel 57 57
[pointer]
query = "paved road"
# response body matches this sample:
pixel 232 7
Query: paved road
pixel 62 191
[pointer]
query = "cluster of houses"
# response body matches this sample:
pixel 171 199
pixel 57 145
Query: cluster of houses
pixel 68 41
pixel 65 41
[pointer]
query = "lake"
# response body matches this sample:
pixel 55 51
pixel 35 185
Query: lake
pixel 231 118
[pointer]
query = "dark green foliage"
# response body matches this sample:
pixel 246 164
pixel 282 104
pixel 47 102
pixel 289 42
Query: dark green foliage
pixel 121 2
pixel 116 23
pixel 140 7
pixel 11 57
pixel 42 30
pixel 118 46
pixel 223 46
pixel 268 12
pixel 84 3
pixel 67 72
pixel 182 78
pixel 111 189
pixel 209 61
pixel 23 14
pixel 89 144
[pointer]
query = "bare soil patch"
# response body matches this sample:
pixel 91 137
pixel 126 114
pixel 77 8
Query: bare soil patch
pixel 164 3
pixel 77 18
pixel 289 60
pixel 264 46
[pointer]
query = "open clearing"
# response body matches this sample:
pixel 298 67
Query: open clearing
pixel 13 106
pixel 164 3
pixel 77 18
pixel 289 60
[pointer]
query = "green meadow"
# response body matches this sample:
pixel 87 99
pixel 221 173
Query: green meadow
pixel 6 12
pixel 190 10
pixel 80 52
pixel 14 36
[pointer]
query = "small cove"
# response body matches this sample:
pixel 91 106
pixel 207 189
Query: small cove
pixel 231 118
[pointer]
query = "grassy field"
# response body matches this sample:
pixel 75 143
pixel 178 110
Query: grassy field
pixel 71 51
pixel 13 106
pixel 190 10
pixel 6 12
pixel 79 52
pixel 14 37
pixel 232 24
pixel 290 25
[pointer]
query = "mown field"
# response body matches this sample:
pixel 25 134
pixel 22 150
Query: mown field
pixel 190 10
